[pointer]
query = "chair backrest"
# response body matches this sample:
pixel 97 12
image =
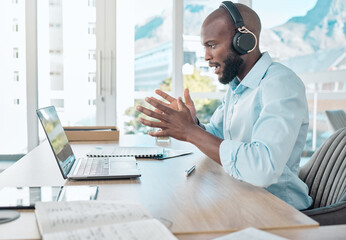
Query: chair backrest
pixel 325 172
pixel 336 119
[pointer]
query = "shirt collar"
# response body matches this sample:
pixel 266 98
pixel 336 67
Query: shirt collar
pixel 257 72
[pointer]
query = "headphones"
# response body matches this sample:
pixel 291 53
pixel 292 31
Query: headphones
pixel 244 41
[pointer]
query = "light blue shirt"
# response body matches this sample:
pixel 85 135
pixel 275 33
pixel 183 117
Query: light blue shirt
pixel 264 122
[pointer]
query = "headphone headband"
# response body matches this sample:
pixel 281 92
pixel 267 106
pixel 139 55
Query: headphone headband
pixel 234 13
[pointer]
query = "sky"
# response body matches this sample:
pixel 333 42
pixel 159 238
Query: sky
pixel 271 12
pixel 277 12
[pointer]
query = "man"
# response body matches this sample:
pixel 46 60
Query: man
pixel 259 131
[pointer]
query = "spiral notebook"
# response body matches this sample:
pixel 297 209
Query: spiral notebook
pixel 139 152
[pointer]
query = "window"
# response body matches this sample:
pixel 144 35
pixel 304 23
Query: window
pixel 55 51
pixel 55 3
pixel 91 3
pixel 152 55
pixel 92 101
pixel 320 66
pixel 15 25
pixel 13 93
pixel 92 55
pixel 195 67
pixel 91 28
pixel 16 101
pixel 58 103
pixel 125 69
pixel 16 76
pixel 64 59
pixel 154 62
pixel 56 81
pixel 197 76
pixel 15 53
pixel 91 77
pixel 153 44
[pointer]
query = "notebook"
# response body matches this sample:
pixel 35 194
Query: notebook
pixel 101 220
pixel 85 168
pixel 139 152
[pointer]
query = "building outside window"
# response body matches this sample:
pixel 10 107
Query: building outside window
pixel 16 101
pixel 15 53
pixel 91 28
pixel 58 103
pixel 16 76
pixel 91 101
pixel 56 81
pixel 66 60
pixel 92 55
pixel 91 77
pixel 15 25
pixel 91 3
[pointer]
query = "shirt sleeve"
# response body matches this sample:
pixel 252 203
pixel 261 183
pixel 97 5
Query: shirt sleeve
pixel 215 125
pixel 274 134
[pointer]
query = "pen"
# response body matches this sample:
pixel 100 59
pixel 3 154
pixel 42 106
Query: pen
pixel 189 171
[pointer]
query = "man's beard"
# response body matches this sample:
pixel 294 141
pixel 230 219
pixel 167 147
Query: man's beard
pixel 232 64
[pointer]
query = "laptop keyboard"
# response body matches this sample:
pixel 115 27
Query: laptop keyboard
pixel 94 166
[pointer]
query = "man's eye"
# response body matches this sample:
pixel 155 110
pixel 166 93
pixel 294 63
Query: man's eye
pixel 212 45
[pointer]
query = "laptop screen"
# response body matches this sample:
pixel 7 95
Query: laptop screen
pixel 57 138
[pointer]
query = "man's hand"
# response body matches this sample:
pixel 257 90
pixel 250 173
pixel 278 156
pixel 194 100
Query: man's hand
pixel 176 123
pixel 178 120
pixel 173 103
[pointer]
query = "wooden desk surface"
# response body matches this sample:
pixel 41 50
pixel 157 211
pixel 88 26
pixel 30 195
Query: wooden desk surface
pixel 208 201
pixel 314 233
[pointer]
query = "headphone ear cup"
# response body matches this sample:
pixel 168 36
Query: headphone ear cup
pixel 244 42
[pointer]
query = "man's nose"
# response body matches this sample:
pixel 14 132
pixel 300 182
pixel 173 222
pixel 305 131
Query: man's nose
pixel 207 55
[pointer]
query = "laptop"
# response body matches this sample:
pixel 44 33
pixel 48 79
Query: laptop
pixel 85 168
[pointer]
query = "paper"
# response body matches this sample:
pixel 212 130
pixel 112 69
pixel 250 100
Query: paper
pixel 64 216
pixel 140 152
pixel 139 230
pixel 171 153
pixel 126 152
pixel 98 220
pixel 250 233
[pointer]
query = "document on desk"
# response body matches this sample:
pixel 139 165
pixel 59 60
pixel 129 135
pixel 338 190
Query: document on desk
pixel 139 152
pixel 97 220
pixel 250 233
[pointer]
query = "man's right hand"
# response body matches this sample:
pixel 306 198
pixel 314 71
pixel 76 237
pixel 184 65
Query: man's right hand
pixel 174 104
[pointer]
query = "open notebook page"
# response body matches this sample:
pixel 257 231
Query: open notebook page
pixel 140 230
pixel 66 216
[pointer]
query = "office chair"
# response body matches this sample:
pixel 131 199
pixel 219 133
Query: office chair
pixel 325 175
pixel 336 119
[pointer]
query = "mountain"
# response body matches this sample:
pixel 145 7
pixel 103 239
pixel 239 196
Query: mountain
pixel 158 29
pixel 323 27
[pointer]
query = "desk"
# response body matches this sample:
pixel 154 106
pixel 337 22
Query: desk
pixel 208 201
pixel 314 233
